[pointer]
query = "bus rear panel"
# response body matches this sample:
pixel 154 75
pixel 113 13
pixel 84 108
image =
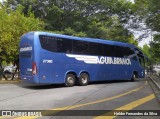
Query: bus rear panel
pixel 28 67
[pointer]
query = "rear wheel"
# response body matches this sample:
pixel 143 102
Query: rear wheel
pixel 83 79
pixel 70 80
pixel 133 77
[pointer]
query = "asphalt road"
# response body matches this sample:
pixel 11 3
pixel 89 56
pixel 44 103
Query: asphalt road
pixel 95 98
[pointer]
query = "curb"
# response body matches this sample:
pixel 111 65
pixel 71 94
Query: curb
pixel 154 82
pixel 9 81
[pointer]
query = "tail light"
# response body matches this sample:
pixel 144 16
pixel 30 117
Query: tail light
pixel 34 69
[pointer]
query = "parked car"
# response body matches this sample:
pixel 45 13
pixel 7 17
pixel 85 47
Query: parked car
pixel 157 69
pixel 8 71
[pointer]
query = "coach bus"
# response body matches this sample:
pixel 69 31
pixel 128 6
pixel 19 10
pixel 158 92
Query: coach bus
pixel 48 58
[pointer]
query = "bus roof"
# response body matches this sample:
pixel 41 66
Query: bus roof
pixel 104 41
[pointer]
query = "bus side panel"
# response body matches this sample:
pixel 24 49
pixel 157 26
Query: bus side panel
pixel 112 72
pixel 60 68
pixel 46 68
pixel 119 72
pixel 138 68
pixel 99 72
pixel 52 67
pixel 105 72
pixel 60 73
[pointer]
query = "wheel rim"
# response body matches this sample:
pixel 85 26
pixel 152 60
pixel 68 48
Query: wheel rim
pixel 84 79
pixel 70 80
pixel 134 76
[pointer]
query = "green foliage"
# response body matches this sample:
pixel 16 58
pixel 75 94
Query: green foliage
pixel 90 18
pixel 155 48
pixel 110 29
pixel 149 11
pixel 153 51
pixel 70 31
pixel 147 51
pixel 153 20
pixel 14 24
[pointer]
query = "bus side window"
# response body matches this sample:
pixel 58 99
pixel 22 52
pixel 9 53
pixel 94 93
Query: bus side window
pixel 48 43
pixel 134 58
pixel 80 47
pixel 119 51
pixel 64 45
pixel 128 52
pixel 95 48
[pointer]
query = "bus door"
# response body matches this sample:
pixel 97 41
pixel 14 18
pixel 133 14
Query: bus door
pixel 46 74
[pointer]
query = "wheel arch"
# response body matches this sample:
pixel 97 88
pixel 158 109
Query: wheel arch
pixel 70 72
pixel 83 78
pixel 84 72
pixel 136 73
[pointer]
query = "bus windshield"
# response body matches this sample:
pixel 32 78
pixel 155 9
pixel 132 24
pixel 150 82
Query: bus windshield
pixel 141 58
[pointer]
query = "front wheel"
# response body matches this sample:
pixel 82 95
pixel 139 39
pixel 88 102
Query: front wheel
pixel 70 80
pixel 83 79
pixel 133 77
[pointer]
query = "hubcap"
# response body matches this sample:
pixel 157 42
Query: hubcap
pixel 134 76
pixel 70 80
pixel 84 79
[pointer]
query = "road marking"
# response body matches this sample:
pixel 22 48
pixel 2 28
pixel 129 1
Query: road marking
pixel 99 101
pixel 127 107
pixel 86 104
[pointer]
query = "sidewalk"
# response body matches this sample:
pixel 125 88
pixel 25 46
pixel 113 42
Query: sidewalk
pixel 156 80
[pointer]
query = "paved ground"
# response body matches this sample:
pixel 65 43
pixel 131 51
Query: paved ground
pixel 93 100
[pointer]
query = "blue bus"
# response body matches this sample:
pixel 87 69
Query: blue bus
pixel 47 58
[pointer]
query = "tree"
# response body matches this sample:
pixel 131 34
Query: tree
pixel 153 22
pixel 111 29
pixel 13 25
pixel 155 48
pixel 149 12
pixel 98 18
pixel 147 51
pixel 153 19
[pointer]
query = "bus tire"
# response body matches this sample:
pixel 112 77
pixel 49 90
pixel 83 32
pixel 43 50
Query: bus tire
pixel 133 77
pixel 83 79
pixel 70 80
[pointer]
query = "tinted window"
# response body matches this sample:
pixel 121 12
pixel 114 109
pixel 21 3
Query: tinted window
pixel 80 47
pixel 48 43
pixel 128 51
pixel 64 45
pixel 113 51
pixel 119 51
pixel 109 50
pixel 140 56
pixel 95 48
